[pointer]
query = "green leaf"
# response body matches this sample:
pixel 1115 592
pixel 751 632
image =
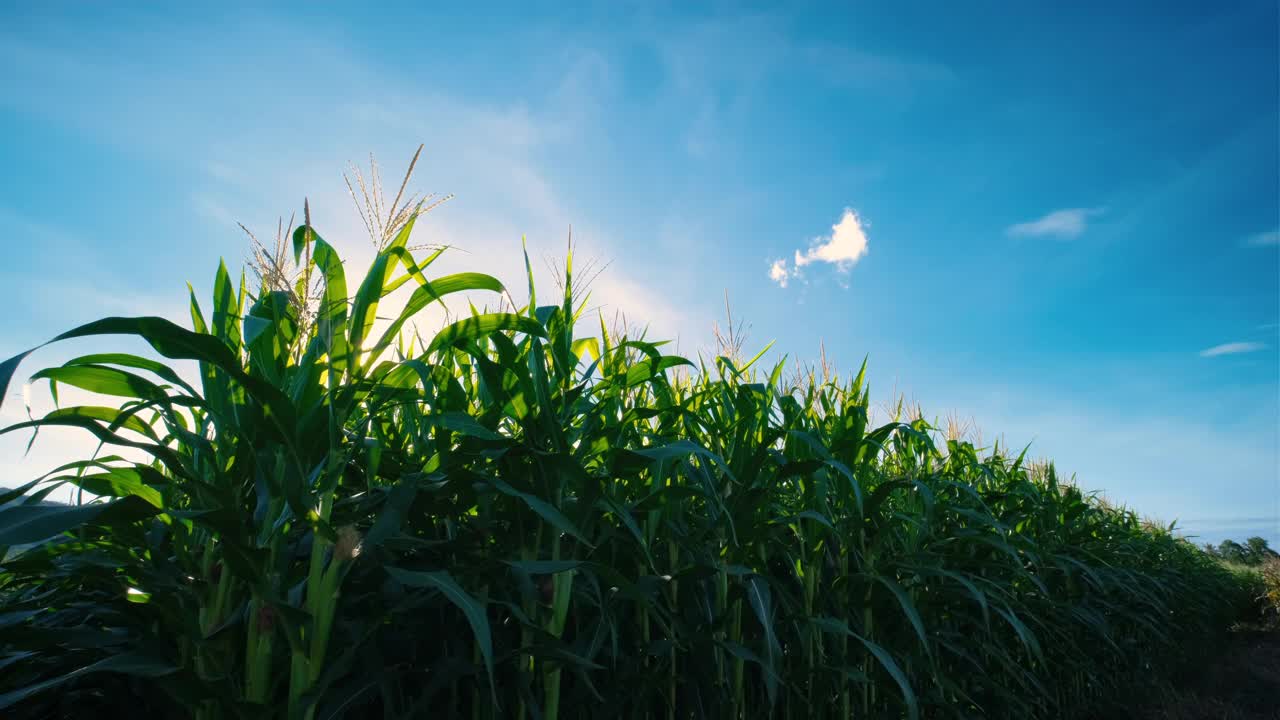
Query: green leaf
pixel 586 347
pixel 742 653
pixel 121 483
pixel 544 567
pixel 377 285
pixel 175 343
pixel 752 361
pixel 967 584
pixel 394 508
pixel 25 524
pixel 8 495
pixel 543 508
pixel 908 608
pixel 197 317
pixel 816 517
pixel 427 293
pixel 133 361
pixel 331 318
pixel 678 449
pixel 364 307
pixel 648 369
pixel 482 325
pixel 470 607
pixel 1025 635
pixel 103 380
pixel 528 269
pixel 127 664
pixel 464 424
pixel 226 309
pixel 761 601
pixel 167 455
pixel 832 625
pixel 114 417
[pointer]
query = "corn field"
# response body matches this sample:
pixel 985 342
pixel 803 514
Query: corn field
pixel 514 518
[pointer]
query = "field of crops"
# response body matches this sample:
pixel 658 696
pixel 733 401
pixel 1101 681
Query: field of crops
pixel 516 519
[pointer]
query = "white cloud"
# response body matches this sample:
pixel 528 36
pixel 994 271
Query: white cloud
pixel 844 247
pixel 1233 348
pixel 1067 223
pixel 778 272
pixel 1270 238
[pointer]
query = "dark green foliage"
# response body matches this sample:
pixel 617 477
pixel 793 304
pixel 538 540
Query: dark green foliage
pixel 1255 551
pixel 510 521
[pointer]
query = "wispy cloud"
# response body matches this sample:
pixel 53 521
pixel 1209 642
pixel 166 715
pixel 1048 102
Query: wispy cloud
pixel 844 247
pixel 883 74
pixel 489 153
pixel 1232 348
pixel 1067 223
pixel 1270 238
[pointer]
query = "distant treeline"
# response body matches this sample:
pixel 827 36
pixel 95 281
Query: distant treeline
pixel 1254 551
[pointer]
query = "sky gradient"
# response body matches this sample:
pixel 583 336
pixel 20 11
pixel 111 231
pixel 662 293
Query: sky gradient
pixel 1063 223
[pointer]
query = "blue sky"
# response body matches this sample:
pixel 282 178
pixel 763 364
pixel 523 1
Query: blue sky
pixel 1062 221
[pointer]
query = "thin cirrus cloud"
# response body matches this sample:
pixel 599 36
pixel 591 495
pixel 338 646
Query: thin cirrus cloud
pixel 1232 348
pixel 1270 238
pixel 844 247
pixel 1066 223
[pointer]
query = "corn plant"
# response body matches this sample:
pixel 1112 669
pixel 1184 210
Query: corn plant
pixel 514 519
